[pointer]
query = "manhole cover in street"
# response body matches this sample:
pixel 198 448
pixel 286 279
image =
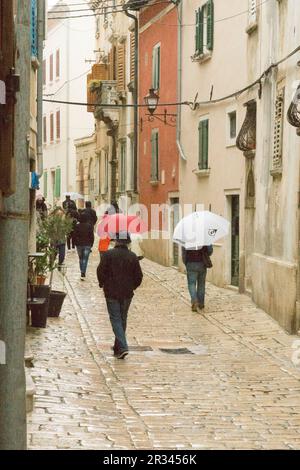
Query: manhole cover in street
pixel 140 348
pixel 176 351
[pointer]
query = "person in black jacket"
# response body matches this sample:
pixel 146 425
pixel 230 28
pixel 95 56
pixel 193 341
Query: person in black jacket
pixel 119 274
pixel 91 213
pixel 83 237
pixel 69 205
pixel 197 262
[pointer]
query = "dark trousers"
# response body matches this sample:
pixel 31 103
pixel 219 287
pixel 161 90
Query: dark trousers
pixel 118 311
pixel 70 240
pixel 61 249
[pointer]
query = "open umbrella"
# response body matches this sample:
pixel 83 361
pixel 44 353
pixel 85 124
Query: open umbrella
pixel 115 223
pixel 74 195
pixel 200 229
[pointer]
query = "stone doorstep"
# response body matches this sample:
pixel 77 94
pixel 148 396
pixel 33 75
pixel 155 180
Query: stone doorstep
pixel 30 391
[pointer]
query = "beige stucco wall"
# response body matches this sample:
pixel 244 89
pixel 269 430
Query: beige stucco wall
pixel 226 72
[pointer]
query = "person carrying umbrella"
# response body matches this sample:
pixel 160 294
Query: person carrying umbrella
pixel 196 263
pixel 119 274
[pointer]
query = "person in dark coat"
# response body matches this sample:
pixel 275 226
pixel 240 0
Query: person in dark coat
pixel 197 262
pixel 119 274
pixel 69 205
pixel 91 213
pixel 84 239
pixel 41 207
pixel 70 238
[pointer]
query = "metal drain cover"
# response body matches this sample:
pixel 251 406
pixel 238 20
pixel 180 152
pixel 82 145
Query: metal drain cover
pixel 140 348
pixel 176 351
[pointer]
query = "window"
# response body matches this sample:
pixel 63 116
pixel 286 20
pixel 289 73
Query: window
pixel 204 37
pixel 156 67
pixel 203 144
pixel 231 127
pixel 44 72
pixel 232 124
pixel 278 130
pixel 51 127
pixel 123 167
pixel 34 41
pixel 51 68
pixel 45 129
pixel 57 125
pixel 57 182
pixel 45 184
pixel 154 155
pixel 57 64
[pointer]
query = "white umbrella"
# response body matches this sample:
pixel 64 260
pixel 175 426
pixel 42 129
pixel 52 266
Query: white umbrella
pixel 73 195
pixel 200 229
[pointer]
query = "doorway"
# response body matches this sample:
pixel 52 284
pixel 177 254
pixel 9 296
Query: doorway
pixel 235 240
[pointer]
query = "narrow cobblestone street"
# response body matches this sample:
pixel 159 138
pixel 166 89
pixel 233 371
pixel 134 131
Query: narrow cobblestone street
pixel 226 381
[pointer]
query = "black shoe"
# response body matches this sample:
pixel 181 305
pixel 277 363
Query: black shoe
pixel 200 308
pixel 82 276
pixel 121 355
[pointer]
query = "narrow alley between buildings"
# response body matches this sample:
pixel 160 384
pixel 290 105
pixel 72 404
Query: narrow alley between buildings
pixel 221 380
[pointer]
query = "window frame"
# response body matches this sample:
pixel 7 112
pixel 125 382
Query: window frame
pixel 231 141
pixel 156 66
pixel 203 160
pixel 154 156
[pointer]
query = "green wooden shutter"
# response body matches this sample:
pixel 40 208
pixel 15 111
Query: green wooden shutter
pixel 210 25
pixel 203 145
pixel 154 156
pixel 197 32
pixel 158 68
pixel 201 30
pixel 45 184
pixel 57 182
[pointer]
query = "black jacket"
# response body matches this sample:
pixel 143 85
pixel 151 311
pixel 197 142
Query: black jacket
pixel 119 273
pixel 197 256
pixel 83 234
pixel 69 205
pixel 91 214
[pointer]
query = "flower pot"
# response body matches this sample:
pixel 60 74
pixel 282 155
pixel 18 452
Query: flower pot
pixel 39 316
pixel 55 303
pixel 40 280
pixel 39 313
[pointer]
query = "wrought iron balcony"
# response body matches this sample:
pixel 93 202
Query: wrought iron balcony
pixel 246 140
pixel 106 95
pixel 293 114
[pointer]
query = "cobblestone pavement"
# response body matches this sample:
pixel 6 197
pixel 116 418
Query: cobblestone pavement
pixel 237 387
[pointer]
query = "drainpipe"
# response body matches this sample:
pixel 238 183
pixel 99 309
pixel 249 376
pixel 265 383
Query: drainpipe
pixel 179 84
pixel 14 225
pixel 135 96
pixel 41 37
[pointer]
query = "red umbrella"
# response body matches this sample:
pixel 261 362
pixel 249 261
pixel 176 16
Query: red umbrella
pixel 115 223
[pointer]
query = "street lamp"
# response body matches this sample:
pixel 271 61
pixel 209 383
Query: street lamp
pixel 151 100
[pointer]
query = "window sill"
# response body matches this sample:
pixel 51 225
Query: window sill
pixel 202 173
pixel 276 173
pixel 201 58
pixel 251 28
pixel 154 182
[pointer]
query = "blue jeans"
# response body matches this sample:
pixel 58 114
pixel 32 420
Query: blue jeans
pixel 61 248
pixel 196 275
pixel 118 311
pixel 83 253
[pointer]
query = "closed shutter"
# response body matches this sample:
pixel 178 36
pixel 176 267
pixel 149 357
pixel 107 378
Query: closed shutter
pixel 45 129
pixel 34 28
pixel 99 72
pixel 45 184
pixel 156 67
pixel 278 130
pixel 7 114
pixel 252 11
pixel 57 63
pixel 112 74
pixel 121 76
pixel 57 125
pixel 132 56
pixel 197 32
pixel 90 97
pixel 154 156
pixel 51 128
pixel 57 182
pixel 210 25
pixel 203 145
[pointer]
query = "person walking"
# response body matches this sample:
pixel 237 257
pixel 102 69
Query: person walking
pixel 197 262
pixel 91 213
pixel 119 274
pixel 41 207
pixel 84 240
pixel 69 205
pixel 70 238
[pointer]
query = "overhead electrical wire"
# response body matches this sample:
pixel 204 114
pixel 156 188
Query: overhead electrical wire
pixel 194 105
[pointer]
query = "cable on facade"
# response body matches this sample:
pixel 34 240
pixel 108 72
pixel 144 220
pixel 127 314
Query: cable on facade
pixel 194 105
